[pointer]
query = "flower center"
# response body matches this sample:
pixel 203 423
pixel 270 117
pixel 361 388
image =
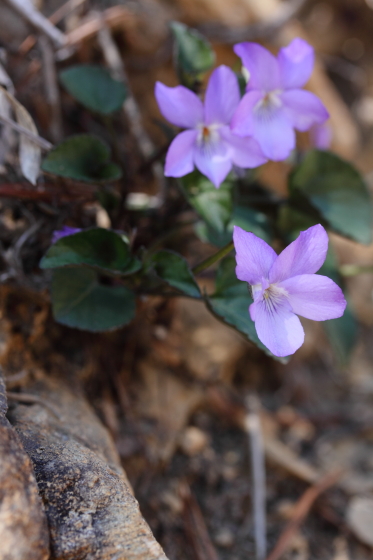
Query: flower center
pixel 271 294
pixel 269 102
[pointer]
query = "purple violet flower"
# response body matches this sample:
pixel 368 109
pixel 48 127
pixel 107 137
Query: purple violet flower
pixel 285 285
pixel 209 144
pixel 66 230
pixel 275 104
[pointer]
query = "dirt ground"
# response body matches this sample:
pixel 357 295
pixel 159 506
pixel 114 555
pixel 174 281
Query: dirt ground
pixel 172 388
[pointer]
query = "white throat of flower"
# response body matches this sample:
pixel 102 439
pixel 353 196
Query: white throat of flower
pixel 270 294
pixel 269 103
pixel 208 136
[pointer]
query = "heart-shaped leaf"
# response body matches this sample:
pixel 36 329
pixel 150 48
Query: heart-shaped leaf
pixel 213 205
pixel 174 270
pixel 84 158
pixel 337 190
pixel 80 301
pixel 342 332
pixel 244 217
pixel 193 54
pixel 100 248
pixel 230 303
pixel 94 88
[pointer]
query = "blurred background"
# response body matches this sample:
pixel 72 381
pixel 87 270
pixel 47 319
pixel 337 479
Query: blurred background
pixel 172 387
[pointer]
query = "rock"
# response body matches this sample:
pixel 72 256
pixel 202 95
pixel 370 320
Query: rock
pixel 23 524
pixel 91 511
pixel 193 441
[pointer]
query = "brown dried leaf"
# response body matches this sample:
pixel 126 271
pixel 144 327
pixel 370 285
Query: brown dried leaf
pixel 29 152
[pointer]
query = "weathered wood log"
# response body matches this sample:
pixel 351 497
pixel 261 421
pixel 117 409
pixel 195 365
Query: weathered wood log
pixel 91 511
pixel 23 524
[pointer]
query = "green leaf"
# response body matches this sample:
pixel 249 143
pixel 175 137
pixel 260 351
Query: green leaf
pixel 174 270
pixel 231 301
pixel 80 301
pixel 94 88
pixel 245 217
pixel 213 205
pixel 342 333
pixel 84 158
pixel 100 248
pixel 193 54
pixel 337 190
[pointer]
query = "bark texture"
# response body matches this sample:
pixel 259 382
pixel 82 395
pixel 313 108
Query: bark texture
pixel 23 525
pixel 91 511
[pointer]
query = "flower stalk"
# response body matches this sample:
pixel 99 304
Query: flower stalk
pixel 224 251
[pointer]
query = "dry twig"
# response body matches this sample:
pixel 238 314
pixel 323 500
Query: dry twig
pixel 253 428
pixel 301 511
pixel 26 9
pixel 195 526
pixel 44 144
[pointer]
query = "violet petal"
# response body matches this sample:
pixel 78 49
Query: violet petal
pixel 179 105
pixel 296 63
pixel 261 64
pixel 304 256
pixel 179 159
pixel 222 96
pixel 303 108
pixel 315 297
pixel 254 257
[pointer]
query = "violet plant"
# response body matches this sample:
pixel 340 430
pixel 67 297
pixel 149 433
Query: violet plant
pixel 211 165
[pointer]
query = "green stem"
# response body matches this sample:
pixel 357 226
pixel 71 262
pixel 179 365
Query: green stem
pixel 213 259
pixel 354 269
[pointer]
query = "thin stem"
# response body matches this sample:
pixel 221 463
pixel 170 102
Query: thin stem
pixel 213 259
pixel 354 269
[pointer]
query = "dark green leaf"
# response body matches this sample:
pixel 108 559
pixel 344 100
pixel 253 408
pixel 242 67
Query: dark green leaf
pixel 174 270
pixel 231 302
pixel 342 332
pixel 101 248
pixel 84 158
pixel 193 54
pixel 213 205
pixel 81 302
pixel 244 217
pixel 94 88
pixel 337 190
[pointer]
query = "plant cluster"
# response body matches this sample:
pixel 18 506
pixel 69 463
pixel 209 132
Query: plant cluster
pixel 248 116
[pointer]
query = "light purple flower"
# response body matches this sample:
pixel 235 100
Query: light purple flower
pixel 321 136
pixel 66 230
pixel 275 104
pixel 208 144
pixel 285 285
